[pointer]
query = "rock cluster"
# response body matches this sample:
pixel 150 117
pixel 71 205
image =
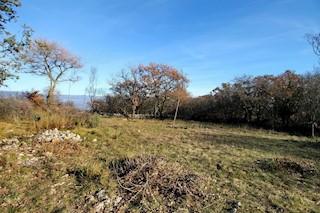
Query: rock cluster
pixel 56 135
pixel 28 160
pixel 29 154
pixel 101 202
pixel 46 136
pixel 9 143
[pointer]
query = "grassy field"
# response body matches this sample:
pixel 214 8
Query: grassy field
pixel 236 169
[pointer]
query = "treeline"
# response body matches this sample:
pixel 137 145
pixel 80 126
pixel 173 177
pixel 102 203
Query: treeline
pixel 287 102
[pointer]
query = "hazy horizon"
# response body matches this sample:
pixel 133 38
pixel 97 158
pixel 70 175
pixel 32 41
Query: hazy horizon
pixel 80 101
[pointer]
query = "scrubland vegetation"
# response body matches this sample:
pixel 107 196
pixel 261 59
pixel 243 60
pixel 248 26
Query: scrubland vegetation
pixel 154 166
pixel 239 158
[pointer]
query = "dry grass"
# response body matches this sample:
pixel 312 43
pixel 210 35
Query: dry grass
pixel 225 157
pixel 34 116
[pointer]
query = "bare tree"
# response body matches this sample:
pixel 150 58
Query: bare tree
pixel 92 90
pixel 314 41
pixel 157 86
pixel 163 83
pixel 130 86
pixel 244 89
pixel 311 98
pixel 287 91
pixel 311 84
pixel 116 104
pixel 52 61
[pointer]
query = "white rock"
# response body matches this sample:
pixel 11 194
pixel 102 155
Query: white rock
pixel 117 200
pixel 102 195
pixel 99 207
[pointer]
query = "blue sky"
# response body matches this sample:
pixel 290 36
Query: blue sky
pixel 211 41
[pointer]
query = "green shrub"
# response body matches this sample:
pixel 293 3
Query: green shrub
pixel 36 117
pixel 94 120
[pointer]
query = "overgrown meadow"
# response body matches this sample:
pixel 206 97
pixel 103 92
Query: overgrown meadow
pixel 141 165
pixel 56 158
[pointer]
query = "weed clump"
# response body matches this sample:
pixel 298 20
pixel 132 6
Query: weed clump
pixel 149 183
pixel 94 120
pixel 305 168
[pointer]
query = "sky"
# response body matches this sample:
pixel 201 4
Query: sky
pixel 210 41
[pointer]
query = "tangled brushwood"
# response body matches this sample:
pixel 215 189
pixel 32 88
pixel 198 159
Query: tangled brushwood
pixel 151 184
pixel 304 168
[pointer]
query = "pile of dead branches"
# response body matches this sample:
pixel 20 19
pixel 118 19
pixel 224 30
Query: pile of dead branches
pixel 302 167
pixel 151 184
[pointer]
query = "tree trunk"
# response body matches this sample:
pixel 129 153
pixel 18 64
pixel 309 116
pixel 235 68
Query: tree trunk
pixel 156 109
pixel 50 93
pixel 134 107
pixel 313 125
pixel 176 113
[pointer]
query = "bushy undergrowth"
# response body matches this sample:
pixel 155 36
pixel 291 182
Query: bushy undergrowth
pixel 61 116
pixel 13 109
pixel 64 118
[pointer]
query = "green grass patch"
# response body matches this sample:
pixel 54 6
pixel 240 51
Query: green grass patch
pixel 248 169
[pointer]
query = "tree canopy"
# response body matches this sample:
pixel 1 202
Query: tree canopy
pixel 8 12
pixel 52 61
pixel 314 41
pixel 155 85
pixel 11 44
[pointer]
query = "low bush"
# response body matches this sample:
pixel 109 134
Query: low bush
pixel 60 117
pixel 64 117
pixel 12 109
pixel 94 120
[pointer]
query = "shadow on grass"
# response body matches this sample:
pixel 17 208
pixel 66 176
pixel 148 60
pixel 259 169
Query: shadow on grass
pixel 302 149
pixel 84 176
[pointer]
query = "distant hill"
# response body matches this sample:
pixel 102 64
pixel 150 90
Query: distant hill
pixel 80 101
pixel 10 93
